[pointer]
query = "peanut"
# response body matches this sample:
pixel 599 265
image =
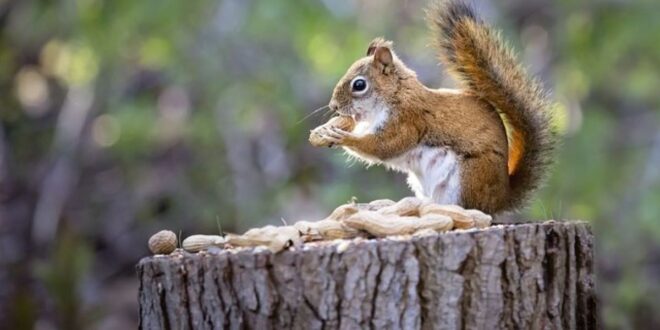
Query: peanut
pixel 274 238
pixel 381 225
pixel 196 243
pixel 163 242
pixel 461 219
pixel 406 207
pixel 325 229
pixel 481 220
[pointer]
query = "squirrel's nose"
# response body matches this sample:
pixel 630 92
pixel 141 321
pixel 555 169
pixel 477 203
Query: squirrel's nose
pixel 334 106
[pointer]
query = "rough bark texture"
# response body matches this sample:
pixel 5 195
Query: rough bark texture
pixel 529 276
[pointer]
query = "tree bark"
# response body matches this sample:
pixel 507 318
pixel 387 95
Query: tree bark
pixel 526 276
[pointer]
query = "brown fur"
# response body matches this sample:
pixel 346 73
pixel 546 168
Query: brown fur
pixel 466 121
pixel 478 58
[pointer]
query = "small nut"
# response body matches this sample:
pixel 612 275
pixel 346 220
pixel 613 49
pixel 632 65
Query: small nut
pixel 163 242
pixel 342 122
pixel 196 243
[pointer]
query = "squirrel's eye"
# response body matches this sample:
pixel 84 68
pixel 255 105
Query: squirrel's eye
pixel 359 86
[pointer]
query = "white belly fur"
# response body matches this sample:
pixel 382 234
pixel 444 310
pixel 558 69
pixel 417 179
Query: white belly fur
pixel 433 172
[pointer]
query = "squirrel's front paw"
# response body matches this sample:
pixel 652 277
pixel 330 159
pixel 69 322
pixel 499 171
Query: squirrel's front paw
pixel 334 136
pixel 322 137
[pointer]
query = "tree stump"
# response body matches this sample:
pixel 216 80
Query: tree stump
pixel 526 276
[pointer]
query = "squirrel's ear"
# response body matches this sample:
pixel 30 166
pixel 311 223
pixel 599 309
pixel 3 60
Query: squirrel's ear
pixel 372 46
pixel 383 59
pixel 371 49
pixel 378 42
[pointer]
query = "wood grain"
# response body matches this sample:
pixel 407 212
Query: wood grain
pixel 526 276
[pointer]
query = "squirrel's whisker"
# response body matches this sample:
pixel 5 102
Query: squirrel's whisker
pixel 328 113
pixel 312 113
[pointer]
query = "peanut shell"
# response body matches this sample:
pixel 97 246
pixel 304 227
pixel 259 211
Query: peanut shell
pixel 406 207
pixel 196 243
pixel 343 212
pixel 381 225
pixel 460 217
pixel 163 242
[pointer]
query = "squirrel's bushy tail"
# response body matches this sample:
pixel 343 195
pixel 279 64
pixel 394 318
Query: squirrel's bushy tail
pixel 478 58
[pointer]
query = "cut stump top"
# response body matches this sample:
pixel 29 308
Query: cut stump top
pixel 505 276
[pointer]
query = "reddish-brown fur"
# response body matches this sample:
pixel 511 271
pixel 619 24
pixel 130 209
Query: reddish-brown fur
pixel 495 175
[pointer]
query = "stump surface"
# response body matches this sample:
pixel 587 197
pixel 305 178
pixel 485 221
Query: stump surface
pixel 527 276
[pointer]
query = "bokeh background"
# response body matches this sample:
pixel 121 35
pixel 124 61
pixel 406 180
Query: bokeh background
pixel 121 118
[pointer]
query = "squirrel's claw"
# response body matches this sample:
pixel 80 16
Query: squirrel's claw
pixel 340 136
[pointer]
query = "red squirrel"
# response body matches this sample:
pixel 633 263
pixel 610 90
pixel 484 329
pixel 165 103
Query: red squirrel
pixel 453 143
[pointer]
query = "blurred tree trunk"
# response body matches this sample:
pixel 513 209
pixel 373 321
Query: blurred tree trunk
pixel 527 276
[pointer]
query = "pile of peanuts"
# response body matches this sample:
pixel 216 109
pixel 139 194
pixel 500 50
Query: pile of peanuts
pixel 380 218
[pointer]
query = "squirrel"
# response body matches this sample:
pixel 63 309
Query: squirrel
pixel 485 146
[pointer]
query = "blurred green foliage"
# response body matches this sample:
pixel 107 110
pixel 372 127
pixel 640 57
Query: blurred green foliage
pixel 120 118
